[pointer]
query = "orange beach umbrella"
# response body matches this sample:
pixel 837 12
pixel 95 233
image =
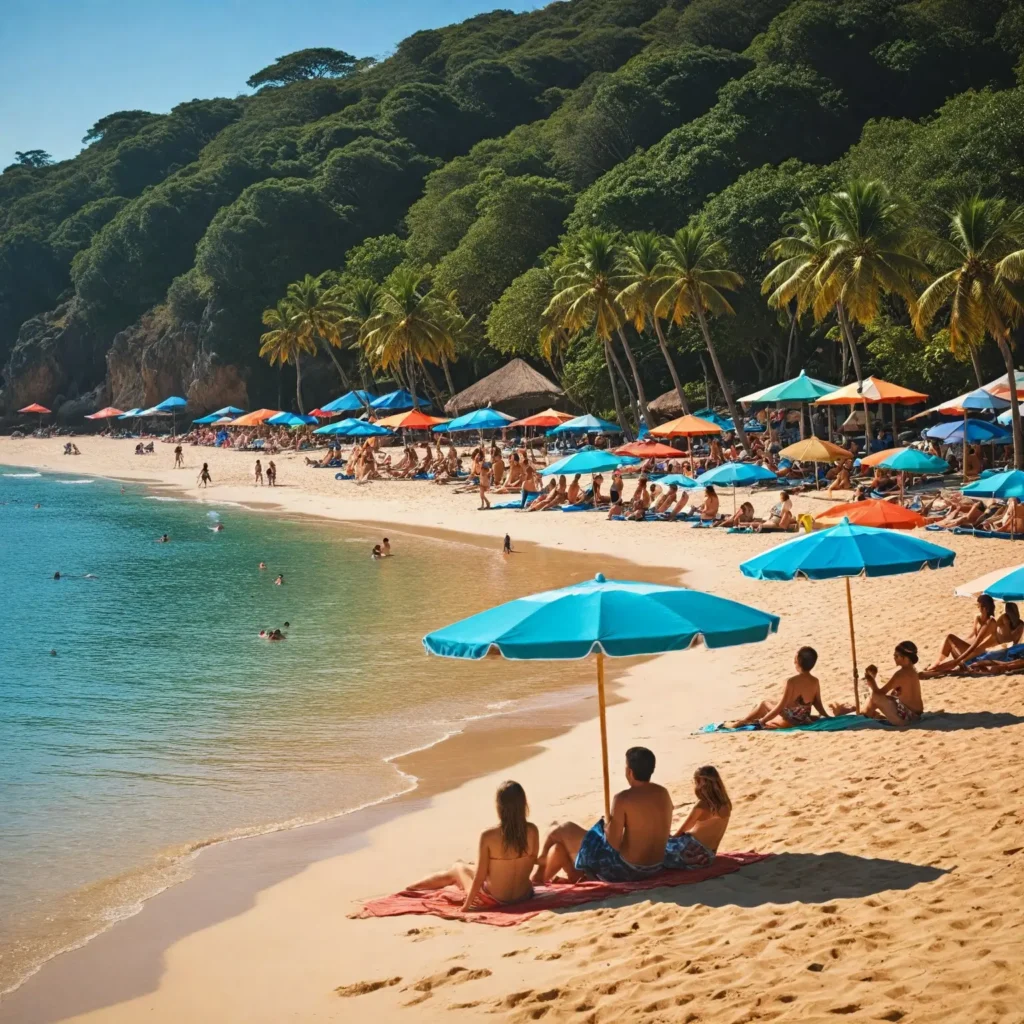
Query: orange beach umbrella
pixel 547 418
pixel 874 391
pixel 35 407
pixel 873 512
pixel 105 414
pixel 687 426
pixel 254 419
pixel 412 420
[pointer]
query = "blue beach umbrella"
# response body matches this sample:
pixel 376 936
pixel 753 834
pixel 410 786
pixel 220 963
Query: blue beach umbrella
pixel 799 389
pixel 976 431
pixel 352 401
pixel 980 399
pixel 170 404
pixel 915 461
pixel 131 414
pixel 341 427
pixel 1003 585
pixel 397 400
pixel 290 419
pixel 592 461
pixel 679 479
pixel 586 425
pixel 845 551
pixel 363 429
pixel 723 422
pixel 617 618
pixel 737 474
pixel 210 417
pixel 1009 484
pixel 479 419
pixel 228 410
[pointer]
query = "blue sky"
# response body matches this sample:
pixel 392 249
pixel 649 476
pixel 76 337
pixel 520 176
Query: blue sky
pixel 67 63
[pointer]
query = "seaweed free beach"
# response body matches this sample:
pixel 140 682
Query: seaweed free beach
pixel 894 893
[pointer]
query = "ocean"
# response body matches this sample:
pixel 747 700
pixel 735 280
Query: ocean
pixel 142 717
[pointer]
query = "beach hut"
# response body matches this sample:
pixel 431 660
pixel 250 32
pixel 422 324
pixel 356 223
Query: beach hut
pixel 517 386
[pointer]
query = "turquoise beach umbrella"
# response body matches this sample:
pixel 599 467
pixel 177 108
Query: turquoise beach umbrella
pixel 976 431
pixel 395 401
pixel 290 419
pixel 586 425
pixel 228 410
pixel 363 429
pixel 915 461
pixel 479 419
pixel 737 474
pixel 352 401
pixel 617 618
pixel 1009 484
pixel 798 389
pixel 1003 585
pixel 846 551
pixel 592 461
pixel 679 479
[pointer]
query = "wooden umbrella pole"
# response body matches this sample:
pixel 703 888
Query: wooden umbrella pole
pixel 853 649
pixel 604 735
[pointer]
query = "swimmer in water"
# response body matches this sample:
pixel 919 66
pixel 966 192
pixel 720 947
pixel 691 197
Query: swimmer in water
pixel 279 582
pixel 376 552
pixel 122 488
pixel 287 625
pixel 37 505
pixel 53 652
pixel 217 528
pixel 56 575
pixel 386 548
pixel 263 565
pixel 165 539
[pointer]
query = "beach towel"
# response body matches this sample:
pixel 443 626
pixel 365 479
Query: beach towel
pixel 838 724
pixel 343 476
pixel 740 529
pixel 446 903
pixel 971 532
pixel 505 504
pixel 579 507
pixel 1004 654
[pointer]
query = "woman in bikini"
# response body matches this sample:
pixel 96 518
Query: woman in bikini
pixel 800 697
pixel 507 854
pixel 575 493
pixel 515 476
pixel 1002 632
pixel 696 842
pixel 709 510
pixel 559 496
pixel 780 520
pixel 956 648
pixel 899 702
pixel 743 516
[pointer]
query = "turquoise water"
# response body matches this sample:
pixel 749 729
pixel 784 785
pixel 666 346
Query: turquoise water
pixel 163 721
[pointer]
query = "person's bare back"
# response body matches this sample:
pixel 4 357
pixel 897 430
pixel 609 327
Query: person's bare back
pixel 642 816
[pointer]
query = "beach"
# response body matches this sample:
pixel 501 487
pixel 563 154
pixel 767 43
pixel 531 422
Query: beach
pixel 896 889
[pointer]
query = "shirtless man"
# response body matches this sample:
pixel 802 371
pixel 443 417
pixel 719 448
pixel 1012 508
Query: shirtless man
pixel 258 482
pixel 497 467
pixel 801 696
pixel 632 845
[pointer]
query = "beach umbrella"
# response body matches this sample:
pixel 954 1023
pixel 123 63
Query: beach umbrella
pixel 592 461
pixel 873 391
pixel 290 419
pixel 974 431
pixel 228 410
pixel 689 427
pixel 131 414
pixel 586 425
pixel 846 551
pixel 255 419
pixel 352 401
pixel 913 461
pixel 815 450
pixel 736 474
pixel 169 406
pixel 40 410
pixel 210 417
pixel 412 420
pixel 648 450
pixel 320 414
pixel 547 418
pixel 363 429
pixel 724 422
pixel 479 419
pixel 1002 584
pixel 107 413
pixel 800 390
pixel 675 478
pixel 613 618
pixel 341 427
pixel 395 400
pixel 1006 485
pixel 883 515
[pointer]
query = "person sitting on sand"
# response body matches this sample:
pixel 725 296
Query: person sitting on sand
pixel 506 855
pixel 412 466
pixel 1006 630
pixel 598 498
pixel 542 494
pixel 574 495
pixel 1011 521
pixel 666 501
pixel 641 499
pixel 800 697
pixel 743 516
pixel 708 511
pixel 646 504
pixel 680 506
pixel 559 495
pixel 899 702
pixel 629 848
pixel 964 516
pixel 780 519
pixel 695 843
pixel 514 479
pixel 428 458
pixel 497 467
pixel 842 482
pixel 956 647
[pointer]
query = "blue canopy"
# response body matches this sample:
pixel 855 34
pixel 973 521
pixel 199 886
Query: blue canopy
pixel 799 389
pixel 978 432
pixel 170 404
pixel 723 422
pixel 353 401
pixel 736 474
pixel 847 550
pixel 982 399
pixel 592 461
pixel 674 478
pixel 1009 484
pixel 614 617
pixel 479 419
pixel 228 410
pixel 363 429
pixel 913 460
pixel 1005 419
pixel 341 427
pixel 131 414
pixel 1009 587
pixel 586 425
pixel 210 417
pixel 396 401
pixel 290 419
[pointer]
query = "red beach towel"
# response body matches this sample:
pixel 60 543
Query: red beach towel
pixel 446 903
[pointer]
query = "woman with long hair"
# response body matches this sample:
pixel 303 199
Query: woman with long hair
pixel 697 841
pixel 507 855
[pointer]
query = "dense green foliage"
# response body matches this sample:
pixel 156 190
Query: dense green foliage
pixel 475 158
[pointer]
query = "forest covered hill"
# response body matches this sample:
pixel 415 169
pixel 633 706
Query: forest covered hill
pixel 143 265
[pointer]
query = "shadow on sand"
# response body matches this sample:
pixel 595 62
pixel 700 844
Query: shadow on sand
pixel 789 878
pixel 956 721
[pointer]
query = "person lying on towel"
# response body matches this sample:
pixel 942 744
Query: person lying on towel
pixel 631 847
pixel 506 856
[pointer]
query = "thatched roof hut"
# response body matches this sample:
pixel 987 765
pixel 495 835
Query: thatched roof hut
pixel 666 406
pixel 516 388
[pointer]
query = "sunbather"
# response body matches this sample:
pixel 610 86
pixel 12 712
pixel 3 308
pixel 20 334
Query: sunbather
pixel 899 702
pixel 631 847
pixel 1002 631
pixel 964 517
pixel 598 498
pixel 842 480
pixel 680 506
pixel 696 842
pixel 515 476
pixel 506 855
pixel 780 519
pixel 956 649
pixel 800 697
pixel 547 497
pixel 1011 520
pixel 743 516
pixel 646 503
pixel 667 500
pixel 708 510
pixel 575 493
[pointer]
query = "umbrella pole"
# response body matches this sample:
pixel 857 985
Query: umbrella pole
pixel 853 646
pixel 604 738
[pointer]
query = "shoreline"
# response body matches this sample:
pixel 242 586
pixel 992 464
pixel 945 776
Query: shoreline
pixel 869 829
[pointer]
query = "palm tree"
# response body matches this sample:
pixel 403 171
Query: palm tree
pixel 696 279
pixel 285 343
pixel 409 328
pixel 359 301
pixel 869 255
pixel 980 264
pixel 318 316
pixel 646 282
pixel 586 295
pixel 461 330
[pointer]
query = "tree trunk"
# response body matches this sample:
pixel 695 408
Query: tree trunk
pixel 976 363
pixel 329 349
pixel 298 382
pixel 1018 446
pixel 411 374
pixel 707 381
pixel 627 348
pixel 280 379
pixel 448 376
pixel 431 386
pixel 734 410
pixel 680 394
pixel 790 347
pixel 623 422
pixel 847 330
pixel 625 383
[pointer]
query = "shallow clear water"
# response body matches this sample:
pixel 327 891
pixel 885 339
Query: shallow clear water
pixel 164 722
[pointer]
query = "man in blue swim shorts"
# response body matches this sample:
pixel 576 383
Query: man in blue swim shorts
pixel 630 848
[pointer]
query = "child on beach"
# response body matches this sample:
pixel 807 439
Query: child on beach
pixel 204 476
pixel 258 482
pixel 271 474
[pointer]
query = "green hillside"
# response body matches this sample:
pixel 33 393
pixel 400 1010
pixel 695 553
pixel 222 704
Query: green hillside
pixel 477 156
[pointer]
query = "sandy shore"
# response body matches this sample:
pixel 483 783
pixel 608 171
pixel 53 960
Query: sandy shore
pixel 896 893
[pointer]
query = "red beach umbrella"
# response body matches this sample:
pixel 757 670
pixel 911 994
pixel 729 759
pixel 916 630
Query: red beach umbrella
pixel 649 450
pixel 105 414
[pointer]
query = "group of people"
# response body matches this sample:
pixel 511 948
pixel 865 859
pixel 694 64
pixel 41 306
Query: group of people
pixel 635 844
pixel 271 474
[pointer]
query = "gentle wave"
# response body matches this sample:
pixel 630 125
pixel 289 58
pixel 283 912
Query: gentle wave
pixel 22 476
pixel 74 481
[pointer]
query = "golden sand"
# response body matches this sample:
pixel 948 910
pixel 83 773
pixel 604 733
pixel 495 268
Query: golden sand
pixel 897 892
